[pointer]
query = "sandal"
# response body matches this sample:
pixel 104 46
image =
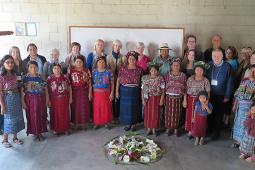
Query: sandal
pixel 6 144
pixel 250 159
pixel 235 145
pixel 201 142
pixel 243 156
pixel 18 141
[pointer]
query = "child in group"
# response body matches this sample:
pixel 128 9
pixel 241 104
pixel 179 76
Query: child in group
pixel 60 95
pixel 247 146
pixel 103 89
pixel 80 78
pixel 10 102
pixel 34 99
pixel 153 87
pixel 202 109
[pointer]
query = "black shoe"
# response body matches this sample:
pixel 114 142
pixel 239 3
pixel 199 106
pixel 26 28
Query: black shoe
pixel 127 128
pixel 190 137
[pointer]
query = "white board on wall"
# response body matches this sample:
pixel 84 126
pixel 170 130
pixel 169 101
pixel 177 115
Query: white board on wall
pixel 151 37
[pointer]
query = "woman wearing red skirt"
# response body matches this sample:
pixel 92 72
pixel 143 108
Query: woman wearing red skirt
pixel 103 88
pixel 153 87
pixel 202 109
pixel 80 78
pixel 60 95
pixel 195 84
pixel 175 96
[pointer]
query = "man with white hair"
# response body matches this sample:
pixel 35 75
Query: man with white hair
pixel 220 76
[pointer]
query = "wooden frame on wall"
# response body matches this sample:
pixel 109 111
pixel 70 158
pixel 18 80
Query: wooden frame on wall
pixel 129 36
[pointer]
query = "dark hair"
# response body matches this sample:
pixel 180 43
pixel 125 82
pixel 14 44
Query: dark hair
pixel 154 66
pixel 31 45
pixel 101 58
pixel 3 71
pixel 252 66
pixel 252 105
pixel 203 93
pixel 200 66
pixel 32 62
pixel 191 36
pixel 234 51
pixel 75 44
pixel 56 64
pixel 81 57
pixel 132 53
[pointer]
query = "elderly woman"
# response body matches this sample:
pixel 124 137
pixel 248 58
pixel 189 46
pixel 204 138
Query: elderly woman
pixel 220 76
pixel 128 90
pixel 48 66
pixel 244 97
pixel 143 60
pixel 98 52
pixel 175 90
pixel 114 62
pixel 196 83
pixel 163 60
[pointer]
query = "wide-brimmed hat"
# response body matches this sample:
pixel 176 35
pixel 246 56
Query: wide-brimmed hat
pixel 164 46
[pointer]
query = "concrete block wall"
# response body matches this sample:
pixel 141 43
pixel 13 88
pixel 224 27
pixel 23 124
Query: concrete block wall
pixel 233 19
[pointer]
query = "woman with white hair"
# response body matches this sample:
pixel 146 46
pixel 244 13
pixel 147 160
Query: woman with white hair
pixel 98 51
pixel 114 61
pixel 143 60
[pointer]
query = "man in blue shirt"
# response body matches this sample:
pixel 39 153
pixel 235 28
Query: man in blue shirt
pixel 220 76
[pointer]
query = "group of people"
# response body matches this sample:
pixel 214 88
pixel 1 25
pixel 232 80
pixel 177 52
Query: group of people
pixel 203 89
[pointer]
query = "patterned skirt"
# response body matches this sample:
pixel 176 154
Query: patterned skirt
pixel 199 127
pixel 173 108
pixel 190 111
pixel 152 112
pixel 102 107
pixel 13 117
pixel 59 114
pixel 243 108
pixel 36 113
pixel 247 145
pixel 130 105
pixel 80 106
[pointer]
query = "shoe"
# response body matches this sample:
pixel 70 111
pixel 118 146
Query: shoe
pixel 96 127
pixel 127 128
pixel 108 127
pixel 18 141
pixel 235 145
pixel 6 144
pixel 243 156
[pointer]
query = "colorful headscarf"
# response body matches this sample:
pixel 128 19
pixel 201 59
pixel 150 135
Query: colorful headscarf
pixel 132 53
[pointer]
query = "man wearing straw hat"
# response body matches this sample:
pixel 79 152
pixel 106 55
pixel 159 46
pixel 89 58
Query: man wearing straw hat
pixel 163 60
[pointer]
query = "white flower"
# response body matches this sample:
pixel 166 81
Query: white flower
pixel 145 159
pixel 126 159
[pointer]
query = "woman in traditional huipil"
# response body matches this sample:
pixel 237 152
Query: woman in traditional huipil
pixel 196 83
pixel 10 102
pixel 60 94
pixel 128 90
pixel 80 78
pixel 103 90
pixel 34 99
pixel 153 87
pixel 244 97
pixel 175 96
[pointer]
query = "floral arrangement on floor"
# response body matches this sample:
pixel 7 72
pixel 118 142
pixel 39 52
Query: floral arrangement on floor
pixel 133 148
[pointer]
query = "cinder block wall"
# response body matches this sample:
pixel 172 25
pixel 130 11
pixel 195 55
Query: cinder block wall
pixel 233 19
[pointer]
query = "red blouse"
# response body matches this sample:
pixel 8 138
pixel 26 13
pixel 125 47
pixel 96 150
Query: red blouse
pixel 80 78
pixel 175 84
pixel 130 76
pixel 58 85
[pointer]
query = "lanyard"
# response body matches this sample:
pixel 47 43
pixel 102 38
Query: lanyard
pixel 216 74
